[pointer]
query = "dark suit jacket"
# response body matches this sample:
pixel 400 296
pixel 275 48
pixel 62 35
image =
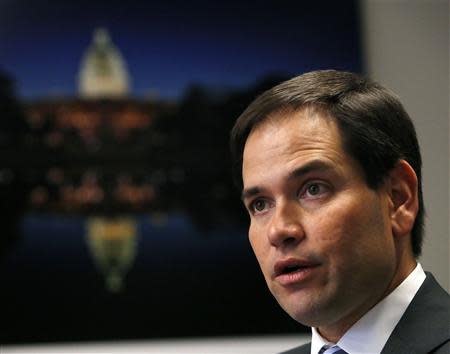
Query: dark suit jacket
pixel 424 327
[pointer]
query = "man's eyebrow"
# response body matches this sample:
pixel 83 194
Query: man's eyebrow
pixel 312 166
pixel 250 192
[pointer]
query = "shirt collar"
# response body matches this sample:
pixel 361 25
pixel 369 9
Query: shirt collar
pixel 317 341
pixel 370 334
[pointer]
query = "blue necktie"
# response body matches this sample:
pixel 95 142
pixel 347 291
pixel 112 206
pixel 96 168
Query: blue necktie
pixel 336 349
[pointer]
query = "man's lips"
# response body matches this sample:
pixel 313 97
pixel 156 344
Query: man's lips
pixel 293 270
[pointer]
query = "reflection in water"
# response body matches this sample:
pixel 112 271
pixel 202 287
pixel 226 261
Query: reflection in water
pixel 112 243
pixel 158 267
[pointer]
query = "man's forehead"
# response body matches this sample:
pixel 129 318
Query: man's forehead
pixel 294 128
pixel 289 142
pixel 305 115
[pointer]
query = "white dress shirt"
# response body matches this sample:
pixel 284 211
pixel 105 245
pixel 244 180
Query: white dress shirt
pixel 371 332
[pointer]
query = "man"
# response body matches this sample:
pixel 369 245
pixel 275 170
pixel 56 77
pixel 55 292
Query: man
pixel 330 172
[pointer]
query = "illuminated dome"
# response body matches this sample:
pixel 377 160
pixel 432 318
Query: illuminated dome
pixel 103 72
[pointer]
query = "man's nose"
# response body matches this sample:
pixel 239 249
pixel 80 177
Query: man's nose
pixel 286 227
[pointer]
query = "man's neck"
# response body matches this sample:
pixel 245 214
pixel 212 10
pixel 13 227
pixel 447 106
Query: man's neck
pixel 335 331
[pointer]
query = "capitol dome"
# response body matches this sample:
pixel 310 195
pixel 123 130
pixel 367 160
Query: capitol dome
pixel 103 72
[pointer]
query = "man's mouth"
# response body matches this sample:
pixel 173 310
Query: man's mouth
pixel 293 270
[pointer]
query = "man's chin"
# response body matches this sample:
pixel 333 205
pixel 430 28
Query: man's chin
pixel 304 308
pixel 306 318
pixel 299 311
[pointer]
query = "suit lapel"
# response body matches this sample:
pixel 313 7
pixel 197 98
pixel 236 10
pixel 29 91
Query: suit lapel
pixel 425 324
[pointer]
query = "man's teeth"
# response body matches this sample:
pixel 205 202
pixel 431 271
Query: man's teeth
pixel 291 269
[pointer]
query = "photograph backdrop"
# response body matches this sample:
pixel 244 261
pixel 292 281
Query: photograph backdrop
pixel 119 216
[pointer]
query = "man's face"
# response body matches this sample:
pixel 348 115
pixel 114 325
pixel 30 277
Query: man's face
pixel 322 237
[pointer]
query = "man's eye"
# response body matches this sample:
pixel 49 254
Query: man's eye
pixel 315 190
pixel 258 205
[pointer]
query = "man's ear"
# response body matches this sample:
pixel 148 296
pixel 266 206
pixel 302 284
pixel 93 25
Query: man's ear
pixel 403 190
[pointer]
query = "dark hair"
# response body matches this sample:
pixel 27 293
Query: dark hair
pixel 375 128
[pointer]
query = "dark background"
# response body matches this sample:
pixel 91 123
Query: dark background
pixel 193 273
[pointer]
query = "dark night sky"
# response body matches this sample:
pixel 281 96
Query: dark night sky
pixel 171 44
